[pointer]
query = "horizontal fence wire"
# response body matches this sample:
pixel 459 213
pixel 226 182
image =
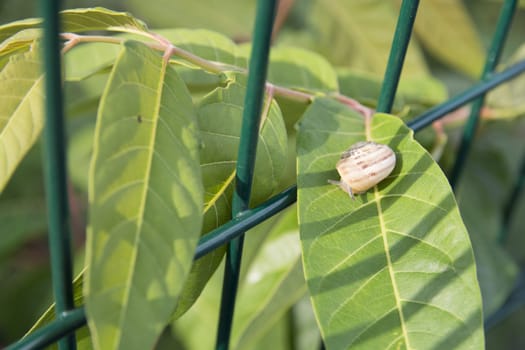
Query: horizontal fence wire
pixel 249 219
pixel 493 55
pixel 67 323
pixel 468 95
pixel 55 170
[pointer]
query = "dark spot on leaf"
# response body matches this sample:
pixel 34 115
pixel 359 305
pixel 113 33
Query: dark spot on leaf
pixel 139 118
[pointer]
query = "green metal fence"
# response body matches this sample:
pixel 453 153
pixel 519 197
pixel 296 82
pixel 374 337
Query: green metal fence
pixel 69 318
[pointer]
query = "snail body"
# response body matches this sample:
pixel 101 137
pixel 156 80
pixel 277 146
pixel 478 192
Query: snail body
pixel 363 166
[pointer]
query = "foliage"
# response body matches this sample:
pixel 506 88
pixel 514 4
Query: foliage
pixel 154 122
pixel 416 265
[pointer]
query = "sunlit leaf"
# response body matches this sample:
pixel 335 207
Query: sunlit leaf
pixel 394 268
pixel 79 20
pixel 302 69
pixel 21 110
pixel 87 59
pixel 145 200
pixel 220 119
pixel 17 43
pixel 12 28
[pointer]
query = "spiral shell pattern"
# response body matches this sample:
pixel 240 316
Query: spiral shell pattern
pixel 365 164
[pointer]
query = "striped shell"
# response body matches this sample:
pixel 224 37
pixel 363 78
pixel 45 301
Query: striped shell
pixel 364 165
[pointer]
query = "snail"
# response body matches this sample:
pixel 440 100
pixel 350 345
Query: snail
pixel 363 166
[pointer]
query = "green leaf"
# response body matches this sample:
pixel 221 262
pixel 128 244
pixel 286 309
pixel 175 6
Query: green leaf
pixel 18 43
pixel 16 37
pixel 445 29
pixel 80 151
pixel 12 28
pixel 394 268
pixel 358 35
pixel 81 98
pixel 206 44
pixel 220 119
pixel 231 17
pixel 98 18
pixel 301 69
pixel 80 20
pixel 145 201
pixel 87 59
pixel 21 110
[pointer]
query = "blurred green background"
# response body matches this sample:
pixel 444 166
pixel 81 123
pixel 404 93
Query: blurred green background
pixel 444 58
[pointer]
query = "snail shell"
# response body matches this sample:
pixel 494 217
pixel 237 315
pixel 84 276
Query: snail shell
pixel 363 166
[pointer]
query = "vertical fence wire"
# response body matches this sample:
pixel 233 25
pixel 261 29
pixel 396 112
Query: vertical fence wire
pixel 405 23
pixel 55 169
pixel 493 55
pixel 246 159
pixel 510 206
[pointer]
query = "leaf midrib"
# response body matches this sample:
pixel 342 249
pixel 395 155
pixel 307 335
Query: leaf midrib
pixel 377 200
pixel 140 217
pixel 218 194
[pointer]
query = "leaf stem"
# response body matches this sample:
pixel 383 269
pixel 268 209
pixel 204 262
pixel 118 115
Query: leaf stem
pixel 291 94
pixel 162 44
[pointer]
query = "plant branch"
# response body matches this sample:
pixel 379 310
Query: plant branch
pixel 164 45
